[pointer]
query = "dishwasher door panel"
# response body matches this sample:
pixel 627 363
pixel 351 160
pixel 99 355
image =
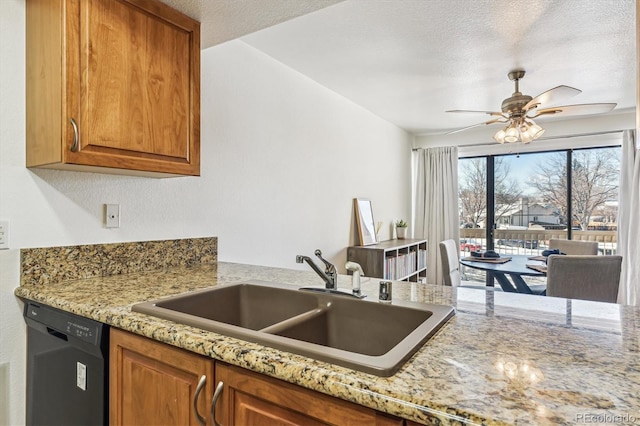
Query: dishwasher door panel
pixel 55 397
pixel 67 376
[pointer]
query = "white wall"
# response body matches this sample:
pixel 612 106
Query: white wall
pixel 282 158
pixel 287 156
pixel 12 334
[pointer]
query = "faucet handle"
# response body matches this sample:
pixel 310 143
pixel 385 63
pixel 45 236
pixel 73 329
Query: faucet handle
pixel 330 267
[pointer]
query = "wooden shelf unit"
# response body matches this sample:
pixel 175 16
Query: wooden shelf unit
pixel 399 260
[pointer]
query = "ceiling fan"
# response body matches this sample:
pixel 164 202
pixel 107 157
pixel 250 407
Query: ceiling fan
pixel 519 111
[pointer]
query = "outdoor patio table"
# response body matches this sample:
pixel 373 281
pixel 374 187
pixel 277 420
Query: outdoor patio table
pixel 515 268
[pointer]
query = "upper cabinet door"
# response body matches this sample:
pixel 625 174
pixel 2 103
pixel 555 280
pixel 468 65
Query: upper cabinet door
pixel 130 82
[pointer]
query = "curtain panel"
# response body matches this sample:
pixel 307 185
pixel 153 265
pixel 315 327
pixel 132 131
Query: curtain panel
pixel 628 223
pixel 435 203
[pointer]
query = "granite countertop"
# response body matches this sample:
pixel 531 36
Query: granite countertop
pixel 502 359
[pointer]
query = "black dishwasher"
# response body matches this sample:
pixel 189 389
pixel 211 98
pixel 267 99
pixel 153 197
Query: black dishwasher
pixel 67 368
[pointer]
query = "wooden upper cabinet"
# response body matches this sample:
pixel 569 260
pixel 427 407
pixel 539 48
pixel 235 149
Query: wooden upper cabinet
pixel 113 84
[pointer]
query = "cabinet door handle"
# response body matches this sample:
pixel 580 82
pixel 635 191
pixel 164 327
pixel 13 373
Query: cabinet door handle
pixel 216 395
pixel 201 383
pixel 76 135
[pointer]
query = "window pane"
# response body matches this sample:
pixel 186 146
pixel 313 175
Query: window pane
pixel 472 182
pixel 547 184
pixel 472 177
pixel 526 214
pixel 594 196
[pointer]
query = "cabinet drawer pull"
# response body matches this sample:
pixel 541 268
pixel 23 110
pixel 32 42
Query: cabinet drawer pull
pixel 216 395
pixel 201 383
pixel 76 135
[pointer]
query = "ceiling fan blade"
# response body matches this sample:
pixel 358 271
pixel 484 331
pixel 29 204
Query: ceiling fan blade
pixel 497 120
pixel 552 95
pixel 468 111
pixel 579 109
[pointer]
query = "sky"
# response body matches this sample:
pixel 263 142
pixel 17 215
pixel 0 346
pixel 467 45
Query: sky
pixel 523 168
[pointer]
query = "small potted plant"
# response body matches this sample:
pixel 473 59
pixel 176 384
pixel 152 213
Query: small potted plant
pixel 401 229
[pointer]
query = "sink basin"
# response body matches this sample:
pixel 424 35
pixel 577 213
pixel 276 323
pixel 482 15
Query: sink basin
pixel 364 335
pixel 247 306
pixel 364 328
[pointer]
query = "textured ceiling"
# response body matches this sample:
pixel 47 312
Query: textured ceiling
pixel 224 20
pixel 409 61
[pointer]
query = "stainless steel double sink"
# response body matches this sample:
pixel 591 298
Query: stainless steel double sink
pixel 363 335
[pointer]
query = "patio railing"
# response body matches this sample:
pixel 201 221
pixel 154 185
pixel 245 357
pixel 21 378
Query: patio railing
pixel 536 240
pixel 529 242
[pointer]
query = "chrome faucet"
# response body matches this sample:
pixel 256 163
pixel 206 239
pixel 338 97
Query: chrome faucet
pixel 330 275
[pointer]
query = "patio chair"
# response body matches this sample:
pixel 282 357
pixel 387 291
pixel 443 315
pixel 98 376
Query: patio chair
pixel 575 247
pixel 450 263
pixel 588 277
pixel 451 266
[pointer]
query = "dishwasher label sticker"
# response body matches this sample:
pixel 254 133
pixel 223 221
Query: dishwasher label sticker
pixel 81 376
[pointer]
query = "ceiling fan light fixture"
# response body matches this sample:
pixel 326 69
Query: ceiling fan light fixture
pixel 535 131
pixel 499 136
pixel 519 130
pixel 512 134
pixel 526 136
pixel 525 131
pixel 519 109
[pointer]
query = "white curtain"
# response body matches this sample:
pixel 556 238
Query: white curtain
pixel 435 203
pixel 628 223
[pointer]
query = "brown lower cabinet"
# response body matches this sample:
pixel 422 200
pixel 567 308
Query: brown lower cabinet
pixel 151 383
pixel 249 398
pixel 155 383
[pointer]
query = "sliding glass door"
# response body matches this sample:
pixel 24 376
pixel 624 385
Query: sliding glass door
pixel 516 203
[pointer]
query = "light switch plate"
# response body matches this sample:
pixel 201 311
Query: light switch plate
pixel 4 234
pixel 112 215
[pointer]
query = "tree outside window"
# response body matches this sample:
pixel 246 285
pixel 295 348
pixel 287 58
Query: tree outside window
pixel 594 174
pixel 473 190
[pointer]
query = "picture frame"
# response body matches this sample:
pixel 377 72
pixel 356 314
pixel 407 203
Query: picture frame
pixel 365 222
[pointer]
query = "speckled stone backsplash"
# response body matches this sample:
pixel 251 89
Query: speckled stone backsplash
pixel 40 266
